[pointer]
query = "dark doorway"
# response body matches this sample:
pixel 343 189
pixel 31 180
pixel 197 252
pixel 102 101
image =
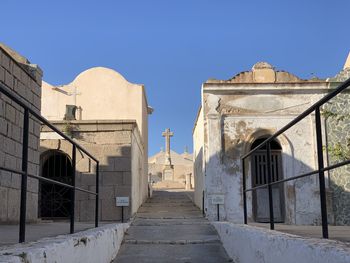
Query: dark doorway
pixel 259 177
pixel 54 200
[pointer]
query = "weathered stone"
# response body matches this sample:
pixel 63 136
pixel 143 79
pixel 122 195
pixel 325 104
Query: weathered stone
pixel 122 164
pixel 107 192
pixel 3 203
pixel 13 204
pixel 112 178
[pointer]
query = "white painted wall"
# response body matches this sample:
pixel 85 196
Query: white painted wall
pixel 233 115
pixel 248 244
pixel 91 246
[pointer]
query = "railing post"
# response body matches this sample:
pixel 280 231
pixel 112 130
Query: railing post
pixel 244 193
pixel 72 195
pixel 268 168
pixel 24 179
pixel 203 211
pixel 97 194
pixel 321 173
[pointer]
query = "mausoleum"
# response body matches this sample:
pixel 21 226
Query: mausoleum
pixel 108 116
pixel 235 116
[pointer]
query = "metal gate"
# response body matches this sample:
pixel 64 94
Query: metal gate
pixel 55 199
pixel 259 177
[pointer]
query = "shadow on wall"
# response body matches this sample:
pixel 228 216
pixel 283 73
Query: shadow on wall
pixel 298 201
pixel 114 180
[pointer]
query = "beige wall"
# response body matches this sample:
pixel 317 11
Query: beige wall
pixel 24 80
pixel 103 94
pixel 138 170
pixel 198 153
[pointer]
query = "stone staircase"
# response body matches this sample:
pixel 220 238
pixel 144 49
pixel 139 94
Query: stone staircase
pixel 166 184
pixel 169 228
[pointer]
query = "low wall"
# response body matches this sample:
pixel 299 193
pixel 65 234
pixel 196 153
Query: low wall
pixel 95 245
pixel 249 244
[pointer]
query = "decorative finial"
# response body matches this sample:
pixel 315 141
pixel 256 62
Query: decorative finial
pixel 186 149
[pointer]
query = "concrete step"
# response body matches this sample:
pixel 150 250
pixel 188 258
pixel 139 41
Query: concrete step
pixel 167 222
pixel 172 232
pixel 164 253
pixel 169 228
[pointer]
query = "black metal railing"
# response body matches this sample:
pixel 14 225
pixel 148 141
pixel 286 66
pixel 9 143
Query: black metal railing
pixel 315 108
pixel 28 112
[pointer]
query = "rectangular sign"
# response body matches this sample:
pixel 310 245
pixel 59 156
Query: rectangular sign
pixel 218 199
pixel 122 200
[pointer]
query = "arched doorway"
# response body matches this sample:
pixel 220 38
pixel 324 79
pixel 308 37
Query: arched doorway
pixel 54 200
pixel 259 177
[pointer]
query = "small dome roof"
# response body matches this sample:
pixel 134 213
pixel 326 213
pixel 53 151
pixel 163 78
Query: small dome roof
pixel 262 65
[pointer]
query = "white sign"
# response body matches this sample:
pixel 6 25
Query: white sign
pixel 122 200
pixel 217 199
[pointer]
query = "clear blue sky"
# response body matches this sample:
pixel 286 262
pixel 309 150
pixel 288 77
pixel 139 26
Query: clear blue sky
pixel 173 46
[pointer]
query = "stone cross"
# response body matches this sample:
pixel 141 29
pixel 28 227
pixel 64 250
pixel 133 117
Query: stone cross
pixel 74 94
pixel 167 134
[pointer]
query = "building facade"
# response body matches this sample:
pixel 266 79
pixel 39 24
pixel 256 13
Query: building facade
pixel 108 116
pixel 238 114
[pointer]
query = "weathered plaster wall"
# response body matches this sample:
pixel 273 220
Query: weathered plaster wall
pixel 247 244
pixel 237 115
pixel 301 198
pixel 24 80
pixel 117 145
pixel 79 247
pixel 198 155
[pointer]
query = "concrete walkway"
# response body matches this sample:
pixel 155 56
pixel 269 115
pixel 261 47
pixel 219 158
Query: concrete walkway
pixel 169 228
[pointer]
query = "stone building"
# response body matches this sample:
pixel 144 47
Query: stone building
pixel 108 116
pixel 182 165
pixel 238 114
pixel 23 79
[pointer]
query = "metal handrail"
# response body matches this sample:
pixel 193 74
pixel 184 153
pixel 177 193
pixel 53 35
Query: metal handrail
pixel 25 105
pixel 315 108
pixel 312 108
pixel 24 172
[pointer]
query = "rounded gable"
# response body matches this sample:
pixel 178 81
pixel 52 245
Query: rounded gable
pixel 94 72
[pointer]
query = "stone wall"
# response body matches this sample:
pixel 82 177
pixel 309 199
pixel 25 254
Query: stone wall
pixel 113 144
pixel 24 80
pixel 338 136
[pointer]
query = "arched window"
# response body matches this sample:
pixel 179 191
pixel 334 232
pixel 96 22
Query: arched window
pixel 54 200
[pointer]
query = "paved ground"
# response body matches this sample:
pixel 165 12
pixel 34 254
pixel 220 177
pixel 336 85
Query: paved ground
pixel 169 228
